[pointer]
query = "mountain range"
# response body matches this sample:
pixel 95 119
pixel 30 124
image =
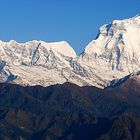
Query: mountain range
pixel 48 92
pixel 112 55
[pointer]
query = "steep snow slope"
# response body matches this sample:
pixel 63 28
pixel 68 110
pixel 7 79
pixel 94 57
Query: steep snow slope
pixel 116 51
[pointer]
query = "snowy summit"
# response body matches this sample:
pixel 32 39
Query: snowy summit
pixel 114 54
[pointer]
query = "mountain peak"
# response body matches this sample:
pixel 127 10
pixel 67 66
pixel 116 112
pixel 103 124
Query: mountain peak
pixel 112 55
pixel 115 52
pixel 61 47
pixel 117 34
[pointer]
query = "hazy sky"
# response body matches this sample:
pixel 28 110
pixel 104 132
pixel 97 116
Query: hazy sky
pixel 76 21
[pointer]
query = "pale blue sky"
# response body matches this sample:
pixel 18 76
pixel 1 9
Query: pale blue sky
pixel 76 21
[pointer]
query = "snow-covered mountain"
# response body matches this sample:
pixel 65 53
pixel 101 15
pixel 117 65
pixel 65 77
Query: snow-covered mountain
pixel 114 54
pixel 40 63
pixel 116 50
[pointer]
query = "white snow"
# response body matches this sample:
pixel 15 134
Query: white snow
pixel 116 51
pixel 113 55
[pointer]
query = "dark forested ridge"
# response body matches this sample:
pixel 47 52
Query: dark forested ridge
pixel 70 112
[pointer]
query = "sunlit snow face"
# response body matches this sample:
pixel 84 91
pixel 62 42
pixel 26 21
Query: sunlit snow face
pixel 114 53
